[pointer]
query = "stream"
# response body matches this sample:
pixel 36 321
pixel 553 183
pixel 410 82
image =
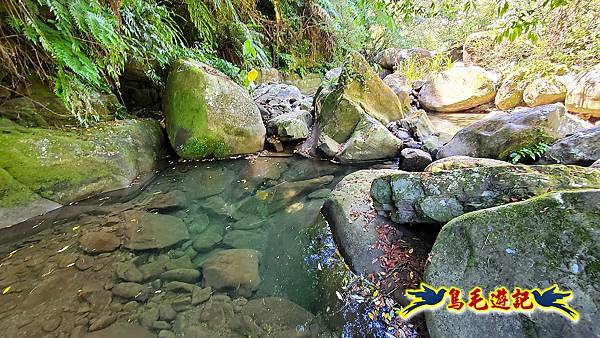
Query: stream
pixel 56 284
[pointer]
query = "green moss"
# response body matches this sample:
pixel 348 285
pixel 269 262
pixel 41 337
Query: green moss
pixel 527 138
pixel 12 192
pixel 208 146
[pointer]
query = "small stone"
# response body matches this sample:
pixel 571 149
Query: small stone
pixel 129 272
pixel 166 334
pixel 148 317
pixel 156 284
pixel 166 312
pixel 414 159
pixel 131 291
pixel 182 303
pixel 319 194
pixel 200 295
pixel 161 325
pixel 51 323
pixel 131 306
pixel 82 321
pixel 84 262
pixel 68 260
pixel 78 331
pixel 207 240
pixel 103 322
pixel 179 287
pixel 181 275
pixel 99 242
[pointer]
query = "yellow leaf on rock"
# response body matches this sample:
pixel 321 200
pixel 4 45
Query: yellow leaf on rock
pixel 6 290
pixel 252 75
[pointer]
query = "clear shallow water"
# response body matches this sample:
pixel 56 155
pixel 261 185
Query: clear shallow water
pixel 53 288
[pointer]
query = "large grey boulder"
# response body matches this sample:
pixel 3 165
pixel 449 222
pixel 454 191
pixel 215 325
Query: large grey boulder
pixel 208 115
pixel 391 57
pixel 457 89
pixel 438 197
pixel 582 148
pixel 500 134
pixel 550 239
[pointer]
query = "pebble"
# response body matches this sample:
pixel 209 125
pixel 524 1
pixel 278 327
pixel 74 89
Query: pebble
pixel 148 317
pixel 179 287
pixel 51 323
pixel 182 303
pixel 131 291
pixel 200 295
pixel 166 334
pixel 161 325
pixel 181 275
pixel 131 306
pixel 84 262
pixel 103 322
pixel 166 312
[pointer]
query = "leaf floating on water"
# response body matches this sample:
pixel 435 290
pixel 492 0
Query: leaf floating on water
pixel 75 228
pixel 63 249
pixel 262 195
pixel 371 316
pixel 12 253
pixel 339 295
pixel 376 293
pixel 6 290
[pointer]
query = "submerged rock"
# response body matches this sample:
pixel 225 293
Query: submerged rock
pixel 152 231
pixel 121 330
pixel 441 196
pixel 277 312
pixel 500 134
pixel 208 115
pixel 98 242
pixel 233 271
pixel 131 291
pixel 545 240
pixel 457 89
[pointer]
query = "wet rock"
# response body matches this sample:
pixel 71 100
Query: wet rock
pixel 201 295
pixel 245 326
pixel 346 211
pixel 161 325
pixel 179 287
pixel 250 223
pixel 583 95
pixel 414 159
pixel 277 312
pixel 321 193
pixel 84 262
pixel 457 89
pixel 462 162
pixel 129 272
pixel 51 323
pixel 498 135
pixel 68 260
pixel 441 196
pixel 155 269
pixel 216 314
pixel 131 306
pixel 99 242
pixel 182 303
pixel 181 275
pixel 151 231
pixel 194 183
pixel 242 239
pixel 207 240
pixel 233 271
pixel 166 334
pixel 102 322
pixel 545 240
pixel 148 317
pixel 217 129
pixel 121 330
pixel 581 148
pixel 98 299
pixel 131 291
pixel 170 201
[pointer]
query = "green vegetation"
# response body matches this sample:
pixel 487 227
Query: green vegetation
pixel 532 153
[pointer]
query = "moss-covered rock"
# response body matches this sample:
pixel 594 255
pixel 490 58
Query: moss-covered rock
pixel 462 162
pixel 441 196
pixel 208 115
pixel 550 239
pixel 498 135
pixel 68 165
pixel 359 97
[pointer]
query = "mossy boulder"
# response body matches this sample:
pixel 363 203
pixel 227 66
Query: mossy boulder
pixel 359 101
pixel 65 166
pixel 208 115
pixel 550 239
pixel 457 89
pixel 500 134
pixel 441 196
pixel 510 93
pixel 463 162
